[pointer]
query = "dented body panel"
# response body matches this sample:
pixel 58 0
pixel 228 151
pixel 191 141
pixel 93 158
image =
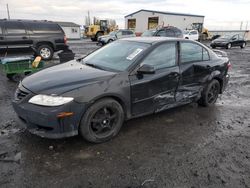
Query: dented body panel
pixel 139 94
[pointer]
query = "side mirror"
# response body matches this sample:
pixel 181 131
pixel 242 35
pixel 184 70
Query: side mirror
pixel 146 69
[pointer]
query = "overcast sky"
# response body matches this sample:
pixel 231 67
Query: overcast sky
pixel 219 14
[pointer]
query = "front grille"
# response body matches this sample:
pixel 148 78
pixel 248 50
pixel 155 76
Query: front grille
pixel 20 94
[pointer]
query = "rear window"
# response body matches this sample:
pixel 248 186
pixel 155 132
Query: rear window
pixel 15 28
pixel 44 28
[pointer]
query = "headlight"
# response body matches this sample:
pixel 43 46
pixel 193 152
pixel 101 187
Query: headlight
pixel 50 100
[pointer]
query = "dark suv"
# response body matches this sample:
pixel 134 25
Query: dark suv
pixel 45 37
pixel 169 31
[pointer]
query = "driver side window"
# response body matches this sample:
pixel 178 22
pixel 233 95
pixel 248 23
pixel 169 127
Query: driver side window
pixel 162 56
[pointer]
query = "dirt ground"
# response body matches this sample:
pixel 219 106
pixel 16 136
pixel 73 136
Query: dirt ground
pixel 189 146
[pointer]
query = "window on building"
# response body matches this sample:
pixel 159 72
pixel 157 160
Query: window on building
pixel 131 24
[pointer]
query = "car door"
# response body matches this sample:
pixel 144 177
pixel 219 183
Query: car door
pixel 16 35
pixel 235 40
pixel 195 68
pixel 156 92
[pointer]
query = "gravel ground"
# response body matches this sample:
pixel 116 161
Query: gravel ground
pixel 189 146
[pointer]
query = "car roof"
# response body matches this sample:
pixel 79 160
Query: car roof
pixel 152 40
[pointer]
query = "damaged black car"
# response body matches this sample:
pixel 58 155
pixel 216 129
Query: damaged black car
pixel 128 78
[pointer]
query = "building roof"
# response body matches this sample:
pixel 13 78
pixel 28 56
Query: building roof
pixel 167 13
pixel 228 30
pixel 67 24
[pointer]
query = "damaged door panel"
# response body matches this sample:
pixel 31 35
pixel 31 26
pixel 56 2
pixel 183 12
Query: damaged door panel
pixel 195 68
pixel 155 92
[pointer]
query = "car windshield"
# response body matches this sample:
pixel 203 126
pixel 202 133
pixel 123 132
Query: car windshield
pixel 226 37
pixel 117 56
pixel 148 33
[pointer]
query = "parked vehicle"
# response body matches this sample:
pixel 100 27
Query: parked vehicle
pixel 228 41
pixel 94 31
pixel 169 31
pixel 148 33
pixel 191 34
pixel 128 78
pixel 44 37
pixel 114 35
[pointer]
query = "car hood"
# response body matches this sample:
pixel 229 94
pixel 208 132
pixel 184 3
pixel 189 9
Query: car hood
pixel 64 77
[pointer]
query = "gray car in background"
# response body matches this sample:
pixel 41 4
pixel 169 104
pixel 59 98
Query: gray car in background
pixel 114 35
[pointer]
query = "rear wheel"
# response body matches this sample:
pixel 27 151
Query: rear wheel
pixel 45 51
pixel 102 121
pixel 243 45
pixel 210 93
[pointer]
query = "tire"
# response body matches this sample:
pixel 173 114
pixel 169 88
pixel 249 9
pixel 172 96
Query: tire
pixel 213 47
pixel 229 45
pixel 186 38
pixel 102 121
pixel 45 51
pixel 243 45
pixel 210 94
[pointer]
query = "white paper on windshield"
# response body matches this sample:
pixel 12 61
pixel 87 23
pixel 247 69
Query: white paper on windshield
pixel 134 54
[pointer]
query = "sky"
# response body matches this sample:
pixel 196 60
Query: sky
pixel 219 14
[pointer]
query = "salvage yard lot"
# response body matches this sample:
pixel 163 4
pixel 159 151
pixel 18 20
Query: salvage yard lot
pixel 189 146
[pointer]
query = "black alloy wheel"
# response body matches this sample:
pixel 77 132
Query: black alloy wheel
pixel 102 121
pixel 210 93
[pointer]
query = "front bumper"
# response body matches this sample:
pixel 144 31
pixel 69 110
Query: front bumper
pixel 43 121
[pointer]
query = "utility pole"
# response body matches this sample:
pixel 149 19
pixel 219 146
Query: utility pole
pixel 241 23
pixel 247 25
pixel 89 18
pixel 8 11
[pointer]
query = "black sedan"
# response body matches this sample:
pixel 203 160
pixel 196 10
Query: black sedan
pixel 228 41
pixel 128 78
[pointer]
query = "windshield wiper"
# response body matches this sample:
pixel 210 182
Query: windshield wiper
pixel 93 65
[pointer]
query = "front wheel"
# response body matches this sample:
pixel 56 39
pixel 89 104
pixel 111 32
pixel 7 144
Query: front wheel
pixel 45 51
pixel 102 121
pixel 210 94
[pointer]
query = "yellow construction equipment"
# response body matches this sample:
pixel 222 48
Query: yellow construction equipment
pixel 102 28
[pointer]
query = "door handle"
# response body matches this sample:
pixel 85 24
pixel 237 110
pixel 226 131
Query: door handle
pixel 24 37
pixel 174 74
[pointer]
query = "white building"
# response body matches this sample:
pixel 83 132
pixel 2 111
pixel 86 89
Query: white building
pixel 148 19
pixel 71 30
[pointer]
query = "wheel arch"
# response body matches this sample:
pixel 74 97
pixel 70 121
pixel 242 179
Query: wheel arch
pixel 45 43
pixel 117 98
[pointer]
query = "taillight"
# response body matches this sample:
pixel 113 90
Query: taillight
pixel 229 65
pixel 65 39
